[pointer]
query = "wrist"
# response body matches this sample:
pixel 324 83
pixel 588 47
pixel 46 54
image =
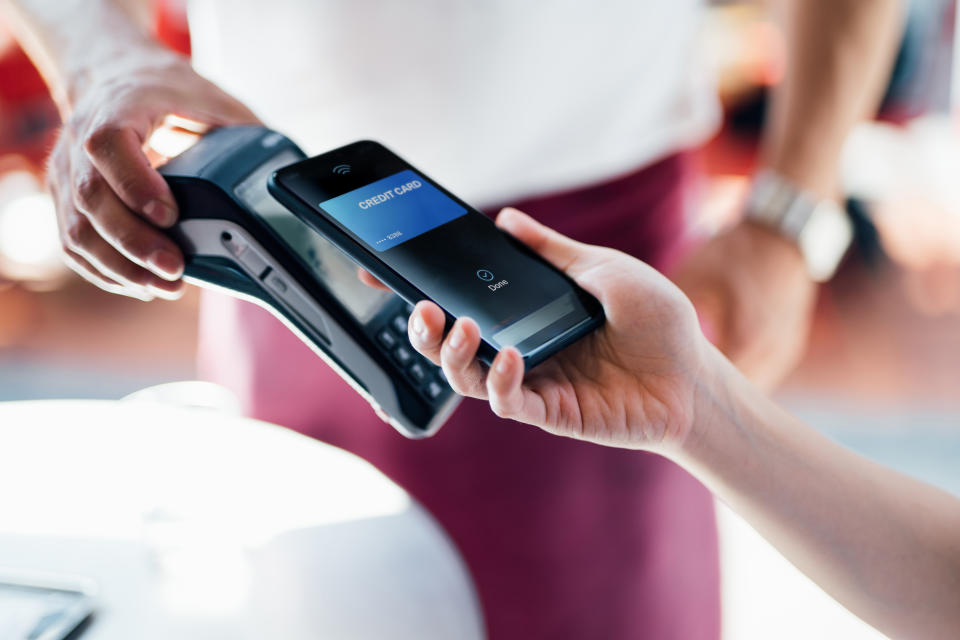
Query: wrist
pixel 120 59
pixel 72 41
pixel 725 404
pixel 770 237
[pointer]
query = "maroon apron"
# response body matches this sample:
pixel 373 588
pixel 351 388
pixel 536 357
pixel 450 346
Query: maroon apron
pixel 563 539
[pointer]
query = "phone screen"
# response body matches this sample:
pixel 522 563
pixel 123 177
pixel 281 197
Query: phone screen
pixel 325 261
pixel 449 251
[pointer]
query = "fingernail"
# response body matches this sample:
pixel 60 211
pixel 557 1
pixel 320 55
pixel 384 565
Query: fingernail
pixel 140 293
pixel 502 365
pixel 418 326
pixel 157 292
pixel 160 213
pixel 457 338
pixel 165 262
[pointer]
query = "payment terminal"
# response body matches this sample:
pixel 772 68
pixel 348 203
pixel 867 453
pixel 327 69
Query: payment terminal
pixel 237 238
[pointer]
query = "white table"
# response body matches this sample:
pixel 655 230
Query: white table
pixel 197 524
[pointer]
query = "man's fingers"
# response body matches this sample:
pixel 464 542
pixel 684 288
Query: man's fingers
pixel 458 357
pixel 79 265
pixel 370 280
pixel 116 152
pixel 82 239
pixel 129 234
pixel 426 330
pixel 566 254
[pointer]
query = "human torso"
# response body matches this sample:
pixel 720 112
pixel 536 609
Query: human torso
pixel 496 99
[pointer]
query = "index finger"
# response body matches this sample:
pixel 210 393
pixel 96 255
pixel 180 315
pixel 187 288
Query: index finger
pixel 117 153
pixel 370 280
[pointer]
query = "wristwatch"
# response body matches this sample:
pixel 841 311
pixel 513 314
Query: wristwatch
pixel 820 228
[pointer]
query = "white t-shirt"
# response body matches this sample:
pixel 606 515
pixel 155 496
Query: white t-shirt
pixel 496 99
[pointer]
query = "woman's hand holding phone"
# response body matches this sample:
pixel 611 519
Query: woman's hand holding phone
pixel 632 383
pixel 649 379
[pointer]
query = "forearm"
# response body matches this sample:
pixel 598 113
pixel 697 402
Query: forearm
pixel 886 546
pixel 839 55
pixel 69 40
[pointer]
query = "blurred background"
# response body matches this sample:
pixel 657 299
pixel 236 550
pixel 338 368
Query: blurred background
pixel 882 372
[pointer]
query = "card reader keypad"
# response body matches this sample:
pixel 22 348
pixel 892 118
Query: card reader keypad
pixel 387 340
pixel 426 377
pixel 403 355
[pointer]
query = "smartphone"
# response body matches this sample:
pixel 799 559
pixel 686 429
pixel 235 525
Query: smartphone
pixel 425 243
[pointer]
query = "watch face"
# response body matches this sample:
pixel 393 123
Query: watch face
pixel 824 240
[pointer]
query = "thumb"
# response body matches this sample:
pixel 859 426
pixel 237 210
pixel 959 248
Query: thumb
pixel 568 255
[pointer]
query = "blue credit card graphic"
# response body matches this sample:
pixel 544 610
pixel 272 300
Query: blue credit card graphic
pixel 390 211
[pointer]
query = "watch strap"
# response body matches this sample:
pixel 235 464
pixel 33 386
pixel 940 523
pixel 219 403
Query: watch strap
pixel 821 229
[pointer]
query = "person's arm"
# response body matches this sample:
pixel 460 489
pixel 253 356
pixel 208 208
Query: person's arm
pixel 839 57
pixel 68 40
pixel 114 85
pixel 750 285
pixel 885 546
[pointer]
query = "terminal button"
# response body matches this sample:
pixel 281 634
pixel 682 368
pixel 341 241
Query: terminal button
pixel 277 283
pixel 387 339
pixel 418 373
pixel 403 355
pixel 400 325
pixel 246 255
pixel 434 390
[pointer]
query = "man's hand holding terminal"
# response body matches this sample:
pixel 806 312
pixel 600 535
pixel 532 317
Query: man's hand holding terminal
pixel 114 86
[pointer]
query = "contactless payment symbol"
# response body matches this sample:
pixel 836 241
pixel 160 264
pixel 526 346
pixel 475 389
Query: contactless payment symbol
pixel 485 275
